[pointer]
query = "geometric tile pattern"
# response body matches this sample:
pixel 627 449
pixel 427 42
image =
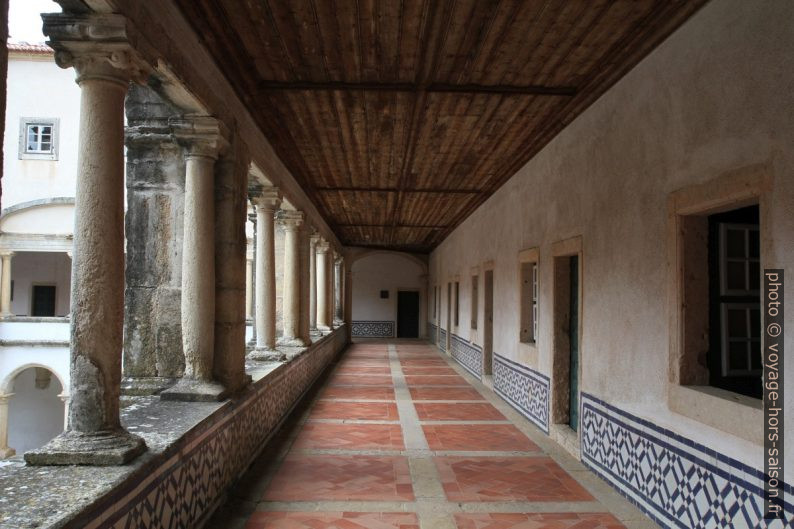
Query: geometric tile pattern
pixel 432 333
pixel 677 482
pixel 333 520
pixel 507 479
pixel 341 478
pixel 181 490
pixel 477 438
pixel 442 340
pixel 467 354
pixel 523 388
pixel 562 520
pixel 372 329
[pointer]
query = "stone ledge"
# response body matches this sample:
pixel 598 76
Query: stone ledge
pixel 213 442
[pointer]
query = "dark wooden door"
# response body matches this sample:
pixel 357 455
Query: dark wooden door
pixel 407 314
pixel 43 300
pixel 573 337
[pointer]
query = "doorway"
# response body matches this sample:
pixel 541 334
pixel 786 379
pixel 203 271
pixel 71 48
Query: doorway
pixel 407 314
pixel 573 340
pixel 566 347
pixel 487 340
pixel 43 300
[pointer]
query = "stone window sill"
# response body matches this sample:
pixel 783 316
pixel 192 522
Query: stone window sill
pixel 724 410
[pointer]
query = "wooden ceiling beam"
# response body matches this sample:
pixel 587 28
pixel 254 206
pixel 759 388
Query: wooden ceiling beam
pixel 468 89
pixel 396 190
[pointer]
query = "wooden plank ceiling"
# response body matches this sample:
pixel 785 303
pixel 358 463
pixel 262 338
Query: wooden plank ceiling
pixel 400 117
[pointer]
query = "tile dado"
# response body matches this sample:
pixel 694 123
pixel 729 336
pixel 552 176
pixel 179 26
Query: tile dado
pixel 372 329
pixel 183 488
pixel 523 388
pixel 442 337
pixel 677 482
pixel 467 354
pixel 432 333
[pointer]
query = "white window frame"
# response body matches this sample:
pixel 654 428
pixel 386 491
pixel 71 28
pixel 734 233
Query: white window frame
pixel 26 122
pixel 726 372
pixel 529 258
pixel 724 259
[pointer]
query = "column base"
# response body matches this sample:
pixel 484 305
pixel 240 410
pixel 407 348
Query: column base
pixel 265 354
pixel 5 453
pixel 325 328
pixel 103 448
pixel 292 342
pixel 194 390
pixel 144 386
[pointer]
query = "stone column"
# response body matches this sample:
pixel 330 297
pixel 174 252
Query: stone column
pixel 338 315
pixel 348 286
pixel 5 284
pixel 252 342
pixel 323 297
pixel 231 184
pixel 304 235
pixel 95 46
pixel 65 398
pixel 291 222
pixel 5 450
pixel 313 240
pixel 266 205
pixel 249 288
pixel 203 138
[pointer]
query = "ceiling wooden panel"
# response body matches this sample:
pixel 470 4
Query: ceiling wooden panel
pixel 400 117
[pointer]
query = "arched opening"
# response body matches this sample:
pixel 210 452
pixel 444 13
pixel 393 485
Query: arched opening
pixel 35 409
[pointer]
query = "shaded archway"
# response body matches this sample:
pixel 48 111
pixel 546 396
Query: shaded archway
pixel 35 408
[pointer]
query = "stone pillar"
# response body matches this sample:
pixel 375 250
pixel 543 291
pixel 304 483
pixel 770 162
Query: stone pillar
pixel 348 285
pixel 249 288
pixel 304 235
pixel 313 240
pixel 203 138
pixel 65 398
pixel 5 284
pixel 338 315
pixel 231 184
pixel 252 342
pixel 291 222
pixel 104 70
pixel 266 205
pixel 5 450
pixel 323 297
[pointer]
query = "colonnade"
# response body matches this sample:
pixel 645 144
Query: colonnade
pixel 213 265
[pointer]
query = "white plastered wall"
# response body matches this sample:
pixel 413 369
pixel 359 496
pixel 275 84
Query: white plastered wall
pixel 389 271
pixel 714 99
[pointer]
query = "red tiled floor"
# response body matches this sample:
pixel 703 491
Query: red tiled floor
pixel 432 370
pixel 358 392
pixel 451 393
pixel 350 437
pixel 477 437
pixel 538 521
pixel 430 380
pixel 507 479
pixel 371 411
pixel 363 370
pixel 332 520
pixel 361 380
pixel 462 411
pixel 342 478
pixel 422 362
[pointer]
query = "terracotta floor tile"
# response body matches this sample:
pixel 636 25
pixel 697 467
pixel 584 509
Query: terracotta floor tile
pixel 361 380
pixel 538 521
pixel 371 411
pixel 432 370
pixel 357 392
pixel 477 437
pixel 451 393
pixel 458 412
pixel 430 380
pixel 507 479
pixel 332 520
pixel 350 437
pixel 363 370
pixel 341 478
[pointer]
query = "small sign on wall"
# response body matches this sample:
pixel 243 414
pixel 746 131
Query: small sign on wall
pixel 384 294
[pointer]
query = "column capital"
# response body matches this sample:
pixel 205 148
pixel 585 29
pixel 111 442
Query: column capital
pixel 267 198
pixel 314 237
pixel 323 246
pixel 4 397
pixel 202 135
pixel 7 253
pixel 290 220
pixel 97 46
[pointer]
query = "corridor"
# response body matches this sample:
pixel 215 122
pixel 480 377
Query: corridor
pixel 398 436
